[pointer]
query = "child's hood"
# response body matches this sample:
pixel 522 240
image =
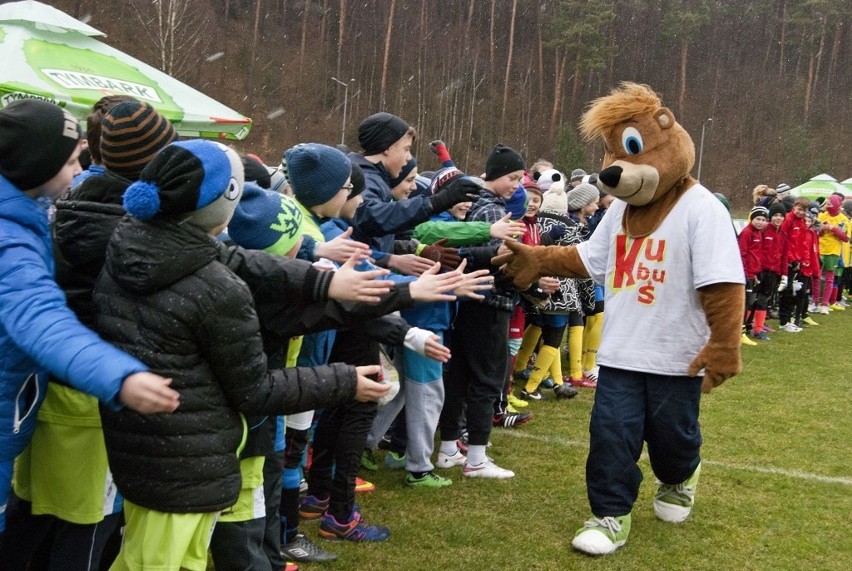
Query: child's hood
pixel 146 257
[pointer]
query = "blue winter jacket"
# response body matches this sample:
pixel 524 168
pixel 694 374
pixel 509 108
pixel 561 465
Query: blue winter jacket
pixel 379 217
pixel 38 332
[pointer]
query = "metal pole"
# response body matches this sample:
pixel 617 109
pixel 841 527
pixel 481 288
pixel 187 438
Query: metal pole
pixel 345 101
pixel 701 147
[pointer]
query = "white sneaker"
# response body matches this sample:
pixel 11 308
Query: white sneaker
pixel 790 327
pixel 824 310
pixel 673 503
pixel 448 461
pixel 487 469
pixel 813 308
pixel 602 536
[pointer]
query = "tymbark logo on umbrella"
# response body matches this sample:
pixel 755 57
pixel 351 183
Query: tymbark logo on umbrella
pixel 77 80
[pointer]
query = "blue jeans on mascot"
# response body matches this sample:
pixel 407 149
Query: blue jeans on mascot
pixel 631 407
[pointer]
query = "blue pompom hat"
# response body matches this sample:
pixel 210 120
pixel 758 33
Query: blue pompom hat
pixel 316 172
pixel 196 181
pixel 266 220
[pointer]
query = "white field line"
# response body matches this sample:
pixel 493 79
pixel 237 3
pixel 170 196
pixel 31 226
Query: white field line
pixel 797 474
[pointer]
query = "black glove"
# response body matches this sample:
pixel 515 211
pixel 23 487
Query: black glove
pixel 437 252
pixel 459 190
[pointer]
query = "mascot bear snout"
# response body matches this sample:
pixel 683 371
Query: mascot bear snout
pixel 610 176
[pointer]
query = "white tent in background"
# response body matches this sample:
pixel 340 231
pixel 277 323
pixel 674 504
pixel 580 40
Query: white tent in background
pixel 820 186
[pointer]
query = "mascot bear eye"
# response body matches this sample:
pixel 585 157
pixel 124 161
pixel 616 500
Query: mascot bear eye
pixel 631 140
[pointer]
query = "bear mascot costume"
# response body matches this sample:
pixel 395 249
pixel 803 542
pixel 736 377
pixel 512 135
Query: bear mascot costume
pixel 667 256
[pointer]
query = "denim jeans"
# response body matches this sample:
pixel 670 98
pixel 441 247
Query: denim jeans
pixel 632 407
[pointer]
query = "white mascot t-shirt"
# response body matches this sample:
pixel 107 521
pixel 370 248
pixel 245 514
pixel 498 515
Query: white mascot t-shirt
pixel 654 321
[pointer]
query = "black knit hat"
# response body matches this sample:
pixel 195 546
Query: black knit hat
pixel 378 132
pixel 403 172
pixel 36 139
pixel 131 134
pixel 256 171
pixel 777 208
pixel 502 161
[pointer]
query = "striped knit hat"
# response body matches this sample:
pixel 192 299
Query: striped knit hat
pixel 131 134
pixel 758 211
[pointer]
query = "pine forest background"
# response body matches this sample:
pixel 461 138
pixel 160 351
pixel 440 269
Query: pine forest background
pixel 774 75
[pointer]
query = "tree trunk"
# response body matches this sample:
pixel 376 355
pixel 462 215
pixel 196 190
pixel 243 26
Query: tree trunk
pixel 341 35
pixel 491 39
pixel 467 24
pixel 540 55
pixel 305 38
pixel 383 87
pixel 508 68
pixel 557 95
pixel 783 40
pixel 808 89
pixel 832 63
pixel 575 87
pixel 257 11
pixel 819 54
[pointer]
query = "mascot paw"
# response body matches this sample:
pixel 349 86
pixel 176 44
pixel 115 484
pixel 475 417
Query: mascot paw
pixel 520 264
pixel 720 363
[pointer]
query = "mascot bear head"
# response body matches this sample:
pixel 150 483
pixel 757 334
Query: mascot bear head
pixel 647 154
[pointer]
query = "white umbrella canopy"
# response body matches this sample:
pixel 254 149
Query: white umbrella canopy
pixel 49 55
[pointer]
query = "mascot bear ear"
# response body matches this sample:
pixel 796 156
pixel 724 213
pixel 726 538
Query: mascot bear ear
pixel 665 118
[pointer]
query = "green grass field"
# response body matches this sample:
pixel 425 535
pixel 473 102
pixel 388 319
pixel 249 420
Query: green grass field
pixel 775 491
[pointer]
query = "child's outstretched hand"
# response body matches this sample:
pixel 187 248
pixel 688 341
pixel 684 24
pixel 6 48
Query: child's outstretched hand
pixel 366 389
pixel 426 343
pixel 409 264
pixel 474 282
pixel 435 350
pixel 432 286
pixel 147 393
pixel 506 229
pixel 342 248
pixel 348 284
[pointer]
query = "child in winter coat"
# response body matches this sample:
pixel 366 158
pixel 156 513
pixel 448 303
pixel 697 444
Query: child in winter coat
pixel 39 334
pixel 194 318
pixel 480 333
pixel 422 386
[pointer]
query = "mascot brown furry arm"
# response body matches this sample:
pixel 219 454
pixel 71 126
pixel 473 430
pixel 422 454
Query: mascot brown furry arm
pixel 723 305
pixel 526 264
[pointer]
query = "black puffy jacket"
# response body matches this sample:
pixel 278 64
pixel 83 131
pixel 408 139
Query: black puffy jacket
pixel 85 219
pixel 165 298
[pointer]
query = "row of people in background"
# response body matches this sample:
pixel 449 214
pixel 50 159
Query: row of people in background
pixel 796 257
